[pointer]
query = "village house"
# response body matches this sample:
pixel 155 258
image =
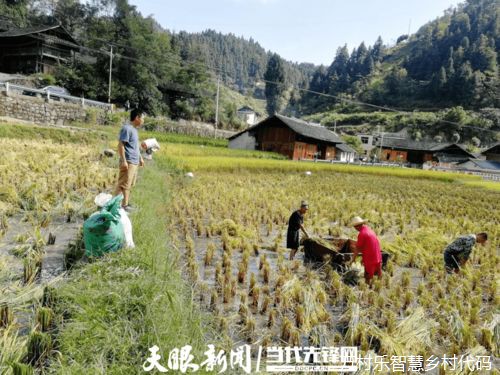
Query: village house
pixel 480 166
pixel 492 153
pixel 367 143
pixel 36 49
pixel 345 153
pixel 406 150
pixel 247 114
pixel 291 137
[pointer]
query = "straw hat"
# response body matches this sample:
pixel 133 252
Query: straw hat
pixel 357 221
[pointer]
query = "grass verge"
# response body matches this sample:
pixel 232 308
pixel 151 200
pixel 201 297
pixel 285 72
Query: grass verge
pixel 124 303
pixel 58 135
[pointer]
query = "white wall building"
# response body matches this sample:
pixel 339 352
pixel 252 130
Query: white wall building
pixel 248 115
pixel 345 153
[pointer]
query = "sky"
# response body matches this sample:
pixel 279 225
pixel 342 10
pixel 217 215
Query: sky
pixel 298 30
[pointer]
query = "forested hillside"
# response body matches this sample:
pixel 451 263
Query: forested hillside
pixel 451 61
pixel 154 69
pixel 242 62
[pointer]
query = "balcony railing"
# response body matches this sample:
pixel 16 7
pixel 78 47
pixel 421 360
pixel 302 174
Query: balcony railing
pixel 28 91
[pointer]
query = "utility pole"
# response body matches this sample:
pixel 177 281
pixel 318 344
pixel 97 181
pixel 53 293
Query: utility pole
pixel 217 106
pixel 110 70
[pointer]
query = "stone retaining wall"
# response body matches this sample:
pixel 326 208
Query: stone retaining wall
pixel 54 112
pixel 43 111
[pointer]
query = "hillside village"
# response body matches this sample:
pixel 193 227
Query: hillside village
pixel 185 202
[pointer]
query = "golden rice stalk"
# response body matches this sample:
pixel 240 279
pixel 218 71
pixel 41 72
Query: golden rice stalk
pixel 408 298
pixel 280 282
pixel 262 261
pixel 256 249
pixel 353 314
pixel 255 297
pixel 299 316
pixel 271 320
pixel 226 261
pixel 277 297
pixel 295 337
pixel 307 293
pixel 286 329
pixel 412 335
pixel 266 273
pixel 234 287
pixel 253 282
pixel 490 335
pixel 405 279
pixel 209 255
pixel 6 315
pixel 243 311
pixel 213 299
pixel 242 273
pixel 249 329
pixel 265 342
pixel 223 324
pixel 265 304
pixel 227 296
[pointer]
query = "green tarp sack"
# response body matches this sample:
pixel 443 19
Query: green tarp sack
pixel 103 231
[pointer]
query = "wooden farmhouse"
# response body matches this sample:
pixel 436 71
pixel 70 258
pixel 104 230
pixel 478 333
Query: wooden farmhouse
pixel 492 153
pixel 419 152
pixel 294 138
pixel 36 49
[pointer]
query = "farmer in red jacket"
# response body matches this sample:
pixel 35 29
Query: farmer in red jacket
pixel 369 246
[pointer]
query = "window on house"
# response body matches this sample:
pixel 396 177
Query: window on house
pixel 365 140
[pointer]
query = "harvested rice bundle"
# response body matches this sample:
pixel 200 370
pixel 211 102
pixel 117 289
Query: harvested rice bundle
pixel 411 335
pixel 309 294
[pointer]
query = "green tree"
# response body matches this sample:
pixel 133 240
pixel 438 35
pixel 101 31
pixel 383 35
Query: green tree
pixel 378 51
pixel 484 56
pixel 456 114
pixel 14 13
pixel 354 142
pixel 396 81
pixel 275 84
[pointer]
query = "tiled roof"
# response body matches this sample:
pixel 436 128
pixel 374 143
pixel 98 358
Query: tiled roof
pixel 305 129
pixel 309 130
pixel 410 144
pixel 490 149
pixel 27 31
pixel 344 147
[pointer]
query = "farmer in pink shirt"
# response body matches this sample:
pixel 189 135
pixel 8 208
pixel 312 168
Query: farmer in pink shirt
pixel 369 246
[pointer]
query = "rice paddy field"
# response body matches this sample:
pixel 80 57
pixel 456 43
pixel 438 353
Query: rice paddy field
pixel 210 263
pixel 231 220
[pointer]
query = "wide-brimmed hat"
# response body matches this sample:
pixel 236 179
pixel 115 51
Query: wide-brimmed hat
pixel 357 221
pixel 304 204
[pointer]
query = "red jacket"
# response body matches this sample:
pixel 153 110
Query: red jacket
pixel 369 245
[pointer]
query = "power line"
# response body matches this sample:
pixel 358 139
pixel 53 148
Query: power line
pixel 220 70
pixel 357 102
